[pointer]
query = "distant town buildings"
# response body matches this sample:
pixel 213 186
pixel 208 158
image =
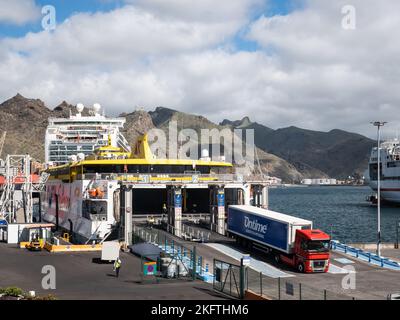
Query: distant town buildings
pixel 330 181
pixel 273 181
pixel 310 182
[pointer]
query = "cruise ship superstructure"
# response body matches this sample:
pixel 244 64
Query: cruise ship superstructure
pixel 390 170
pixel 82 134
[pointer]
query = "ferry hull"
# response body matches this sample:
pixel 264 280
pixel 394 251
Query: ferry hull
pixel 63 206
pixel 390 192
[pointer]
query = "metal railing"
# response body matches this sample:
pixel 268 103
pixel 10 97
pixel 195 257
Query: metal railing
pixel 227 279
pixel 287 288
pixel 365 255
pixel 172 178
pixel 185 254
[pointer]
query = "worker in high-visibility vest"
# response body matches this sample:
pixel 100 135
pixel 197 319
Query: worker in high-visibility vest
pixel 117 266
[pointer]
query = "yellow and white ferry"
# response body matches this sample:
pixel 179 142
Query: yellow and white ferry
pixel 86 198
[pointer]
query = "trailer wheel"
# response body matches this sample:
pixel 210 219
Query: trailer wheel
pixel 300 267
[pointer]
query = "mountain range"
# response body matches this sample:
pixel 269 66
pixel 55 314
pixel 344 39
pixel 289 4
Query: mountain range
pixel 288 153
pixel 336 153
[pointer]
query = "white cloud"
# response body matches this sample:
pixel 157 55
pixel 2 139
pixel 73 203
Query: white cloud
pixel 18 12
pixel 308 71
pixel 204 10
pixel 121 38
pixel 338 77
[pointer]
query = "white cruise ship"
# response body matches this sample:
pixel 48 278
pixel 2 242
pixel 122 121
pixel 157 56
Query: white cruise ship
pixel 66 137
pixel 390 170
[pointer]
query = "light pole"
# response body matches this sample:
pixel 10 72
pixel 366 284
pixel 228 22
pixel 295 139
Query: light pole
pixel 379 124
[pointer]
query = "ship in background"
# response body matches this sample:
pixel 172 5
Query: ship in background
pixel 78 134
pixel 390 170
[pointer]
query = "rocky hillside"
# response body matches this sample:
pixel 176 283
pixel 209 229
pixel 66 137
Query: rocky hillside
pixel 335 153
pixel 268 163
pixel 137 123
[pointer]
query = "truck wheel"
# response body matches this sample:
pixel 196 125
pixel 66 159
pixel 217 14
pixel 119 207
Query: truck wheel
pixel 300 267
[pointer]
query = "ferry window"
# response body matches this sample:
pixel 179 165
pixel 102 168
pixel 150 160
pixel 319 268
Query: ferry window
pixel 203 169
pixel 393 164
pixel 373 170
pixel 189 169
pixel 141 168
pixel 173 169
pixel 133 168
pixel 89 169
pixel 91 209
pixel 103 169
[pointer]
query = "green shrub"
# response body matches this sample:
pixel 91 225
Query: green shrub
pixel 47 297
pixel 12 292
pixel 16 292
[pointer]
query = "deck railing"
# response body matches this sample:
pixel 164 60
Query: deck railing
pixel 177 178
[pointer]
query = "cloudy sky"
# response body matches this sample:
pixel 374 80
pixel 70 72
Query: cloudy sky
pixel 306 63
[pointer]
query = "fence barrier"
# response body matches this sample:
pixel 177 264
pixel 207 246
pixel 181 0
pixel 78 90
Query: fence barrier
pixel 185 256
pixel 365 255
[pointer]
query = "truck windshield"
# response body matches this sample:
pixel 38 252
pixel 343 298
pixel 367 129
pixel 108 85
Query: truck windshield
pixel 318 245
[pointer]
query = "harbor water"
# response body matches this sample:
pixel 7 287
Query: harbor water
pixel 340 211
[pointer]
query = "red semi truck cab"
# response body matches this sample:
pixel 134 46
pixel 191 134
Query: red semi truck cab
pixel 310 251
